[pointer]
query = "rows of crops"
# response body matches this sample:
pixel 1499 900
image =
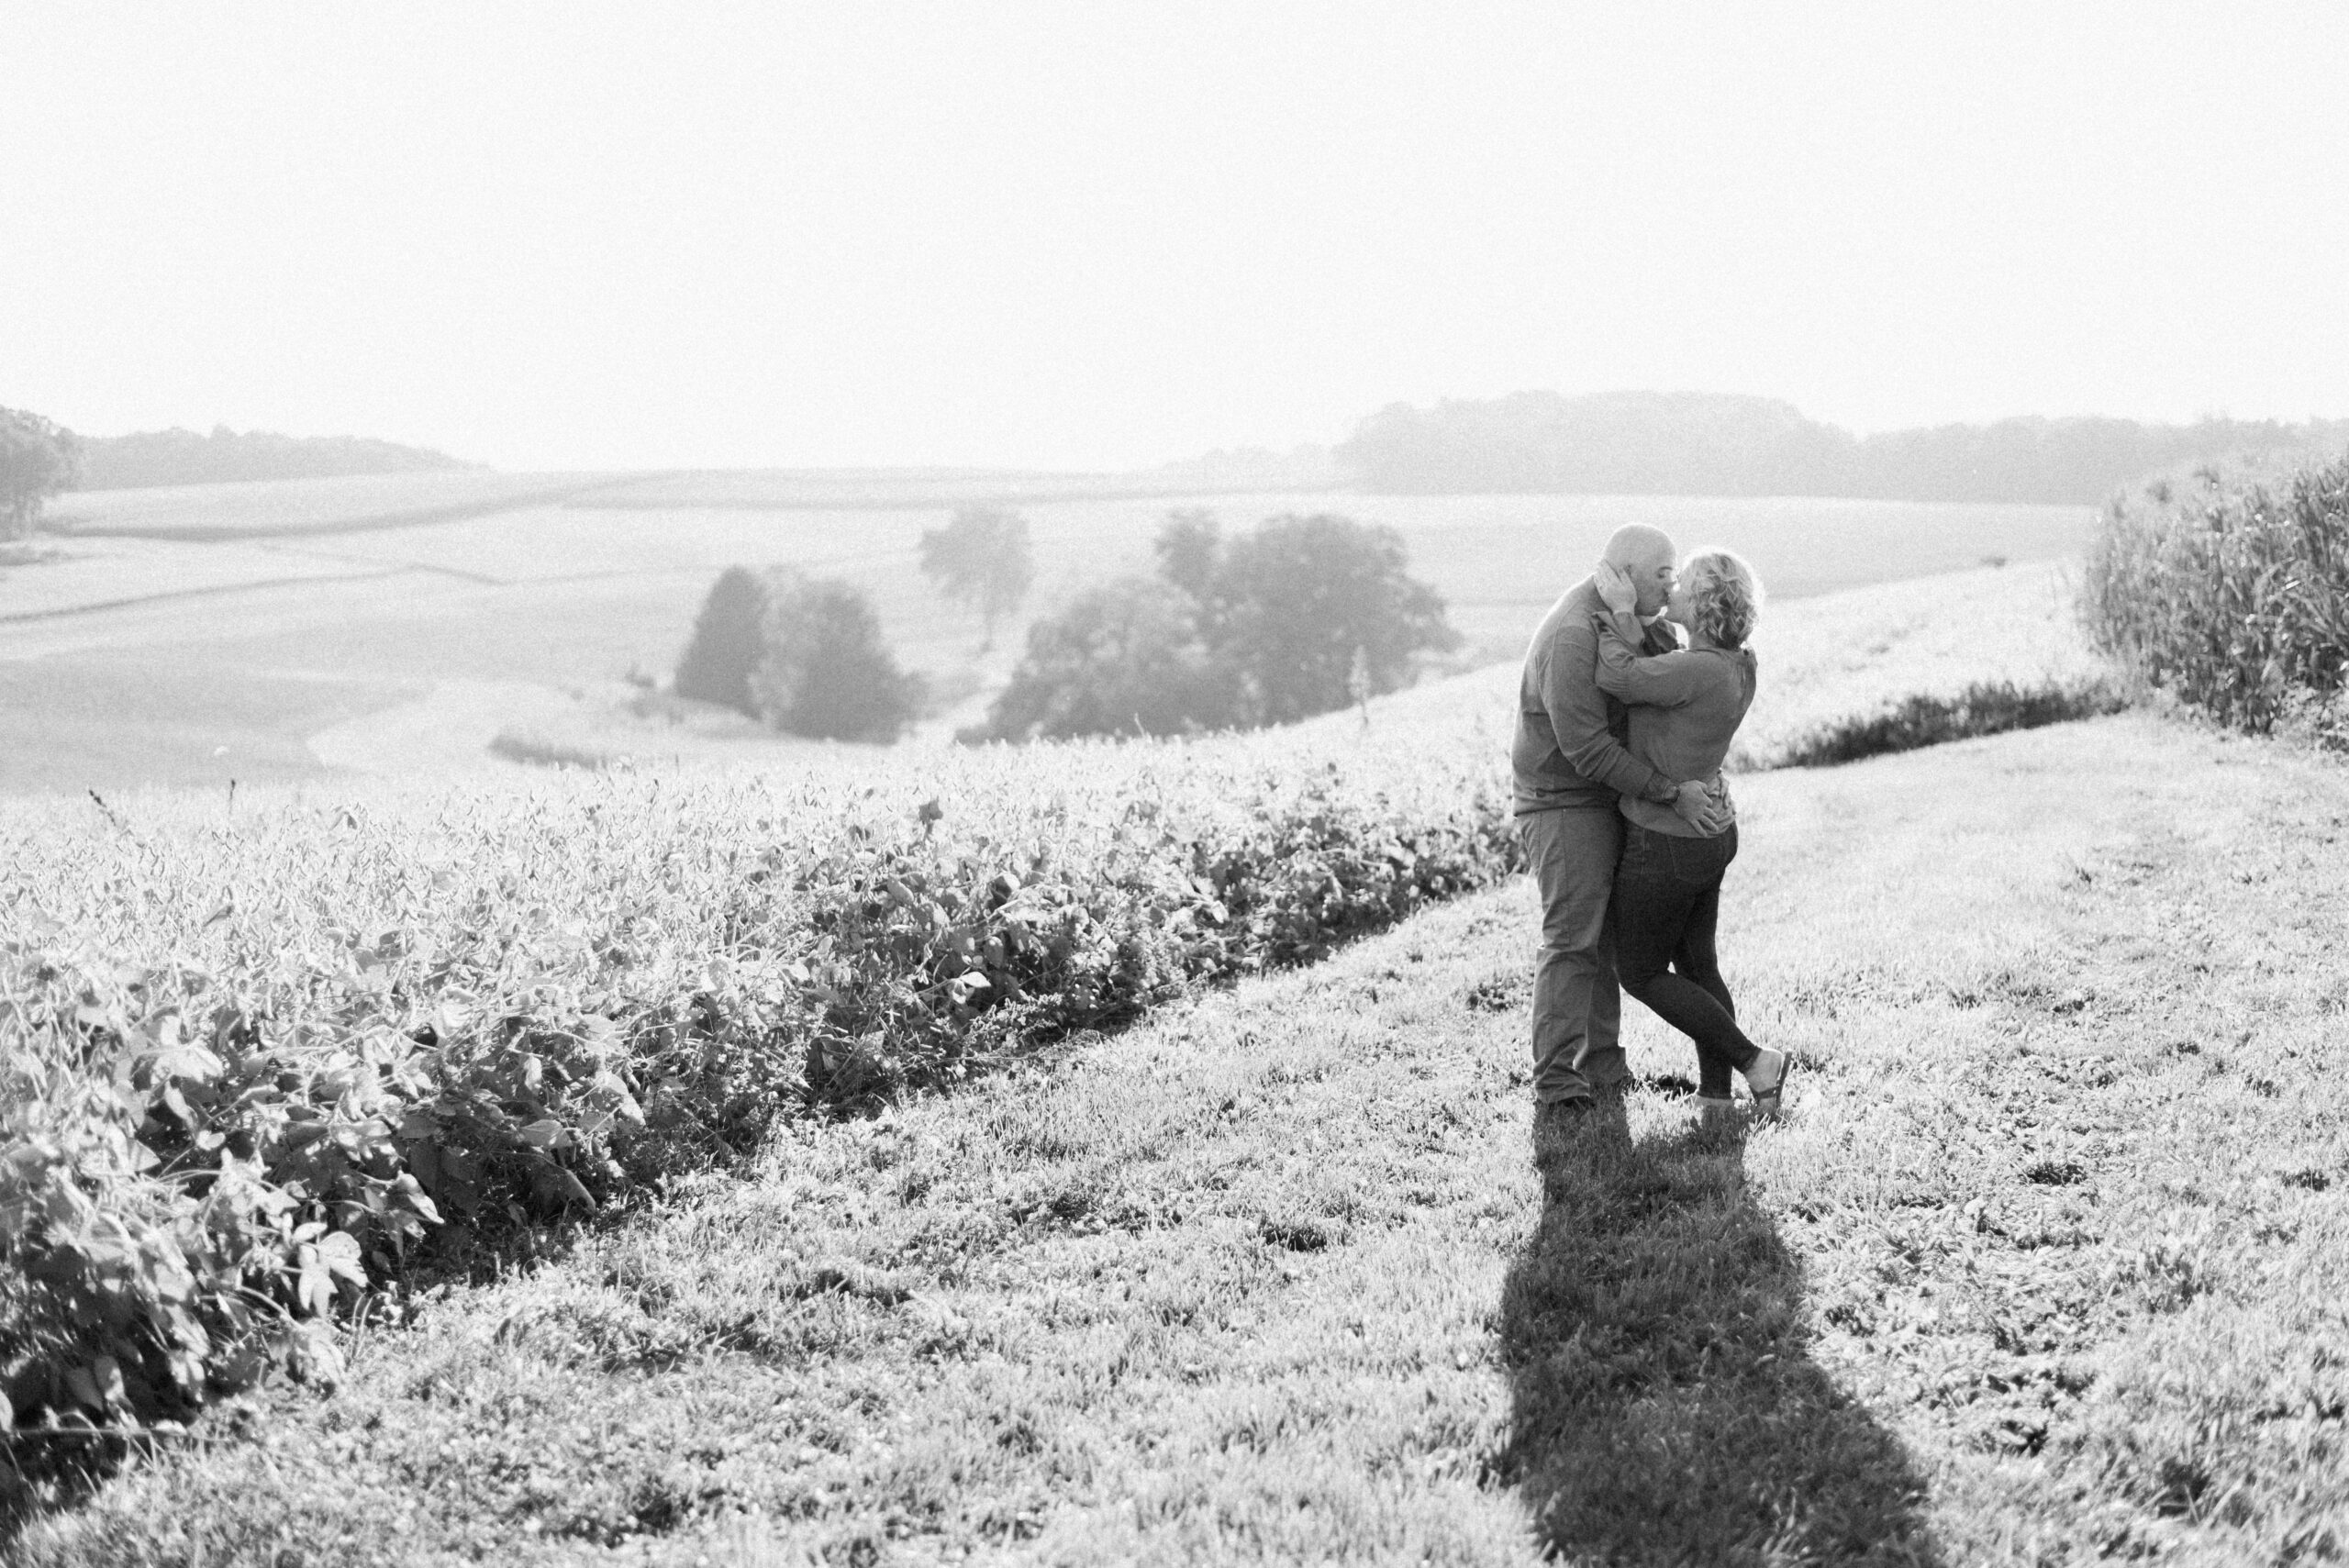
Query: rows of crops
pixel 250 1063
pixel 287 508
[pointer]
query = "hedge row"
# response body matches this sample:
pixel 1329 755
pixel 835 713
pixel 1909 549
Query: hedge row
pixel 247 1067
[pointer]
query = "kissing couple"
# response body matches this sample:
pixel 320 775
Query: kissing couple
pixel 1627 825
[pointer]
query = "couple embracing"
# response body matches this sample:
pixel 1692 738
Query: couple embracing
pixel 1627 826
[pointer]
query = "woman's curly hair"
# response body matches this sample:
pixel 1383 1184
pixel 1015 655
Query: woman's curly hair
pixel 1725 596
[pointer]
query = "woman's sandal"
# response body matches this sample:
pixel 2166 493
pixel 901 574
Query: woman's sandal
pixel 1768 1089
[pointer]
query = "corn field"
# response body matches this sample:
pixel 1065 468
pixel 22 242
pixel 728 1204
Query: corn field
pixel 2230 589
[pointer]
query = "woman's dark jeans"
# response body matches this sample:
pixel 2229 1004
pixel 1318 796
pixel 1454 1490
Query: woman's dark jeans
pixel 1667 901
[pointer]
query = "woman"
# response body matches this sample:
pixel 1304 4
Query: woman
pixel 1685 707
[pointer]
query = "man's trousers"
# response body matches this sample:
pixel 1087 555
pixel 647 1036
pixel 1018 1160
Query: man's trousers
pixel 1577 1009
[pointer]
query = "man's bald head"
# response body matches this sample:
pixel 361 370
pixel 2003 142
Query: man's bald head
pixel 1635 545
pixel 1643 554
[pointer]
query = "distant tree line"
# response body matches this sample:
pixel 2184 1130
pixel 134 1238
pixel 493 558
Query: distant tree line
pixel 1708 444
pixel 1302 614
pixel 183 457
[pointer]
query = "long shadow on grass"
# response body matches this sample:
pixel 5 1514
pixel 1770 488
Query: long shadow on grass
pixel 1665 1409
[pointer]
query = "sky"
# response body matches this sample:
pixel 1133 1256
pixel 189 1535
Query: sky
pixel 1104 236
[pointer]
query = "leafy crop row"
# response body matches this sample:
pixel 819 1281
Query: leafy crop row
pixel 247 1064
pixel 2230 590
pixel 1984 707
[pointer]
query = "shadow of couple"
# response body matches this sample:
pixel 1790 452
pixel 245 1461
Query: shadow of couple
pixel 1664 1409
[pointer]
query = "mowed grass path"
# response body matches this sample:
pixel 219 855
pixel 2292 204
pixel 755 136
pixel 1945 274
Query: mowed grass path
pixel 2047 1263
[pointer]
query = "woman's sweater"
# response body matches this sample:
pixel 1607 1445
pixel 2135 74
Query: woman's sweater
pixel 1686 707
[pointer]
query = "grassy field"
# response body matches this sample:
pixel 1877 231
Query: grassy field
pixel 2044 1266
pixel 266 508
pixel 784 489
pixel 367 596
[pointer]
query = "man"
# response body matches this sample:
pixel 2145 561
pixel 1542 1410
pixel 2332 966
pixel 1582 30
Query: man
pixel 1571 765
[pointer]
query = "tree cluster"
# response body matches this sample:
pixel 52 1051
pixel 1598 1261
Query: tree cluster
pixel 803 654
pixel 38 458
pixel 1638 443
pixel 1301 615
